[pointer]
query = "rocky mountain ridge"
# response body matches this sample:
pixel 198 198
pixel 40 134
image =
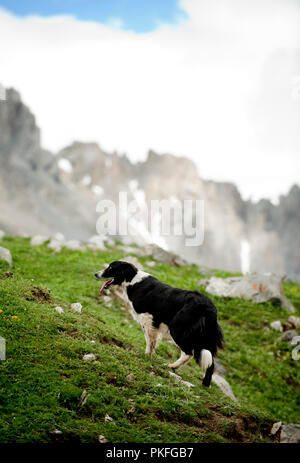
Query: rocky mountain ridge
pixel 44 193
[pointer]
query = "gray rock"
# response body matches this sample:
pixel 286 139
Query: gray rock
pixel 108 419
pixel 2 234
pixel 289 335
pixel 37 240
pixel 160 255
pixel 276 325
pixel 219 369
pixel 290 434
pixel 225 387
pixel 129 378
pixel 258 288
pixel 128 249
pixel 294 321
pixel 5 255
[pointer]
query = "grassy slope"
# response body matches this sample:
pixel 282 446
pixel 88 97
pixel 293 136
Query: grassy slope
pixel 42 380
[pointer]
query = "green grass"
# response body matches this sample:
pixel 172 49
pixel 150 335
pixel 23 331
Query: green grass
pixel 44 376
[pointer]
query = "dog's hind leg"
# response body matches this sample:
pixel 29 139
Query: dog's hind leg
pixel 208 375
pixel 182 359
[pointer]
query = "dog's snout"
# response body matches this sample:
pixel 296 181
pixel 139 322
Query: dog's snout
pixel 99 274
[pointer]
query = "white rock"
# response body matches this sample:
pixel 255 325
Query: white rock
pixel 75 245
pixel 93 342
pixel 275 428
pixel 56 245
pixel 186 383
pixel 59 237
pixel 83 399
pixel 277 326
pixel 108 418
pixel 294 321
pixel 56 432
pixel 127 240
pixel 76 307
pixel 2 234
pixel 5 255
pixel 59 310
pixel 37 240
pixel 96 243
pixel 109 241
pixel 89 357
pixel 150 263
pixel 223 384
pixel 102 439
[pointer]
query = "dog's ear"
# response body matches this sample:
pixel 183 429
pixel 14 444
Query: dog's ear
pixel 129 271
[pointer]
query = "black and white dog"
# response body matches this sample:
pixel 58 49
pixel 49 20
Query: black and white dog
pixel 188 316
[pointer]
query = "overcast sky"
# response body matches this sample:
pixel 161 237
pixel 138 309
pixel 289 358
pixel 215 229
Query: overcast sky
pixel 215 80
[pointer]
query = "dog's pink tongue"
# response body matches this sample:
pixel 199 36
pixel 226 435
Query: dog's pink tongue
pixel 105 284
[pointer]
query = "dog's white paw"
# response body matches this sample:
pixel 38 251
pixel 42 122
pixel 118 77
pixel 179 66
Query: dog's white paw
pixel 172 365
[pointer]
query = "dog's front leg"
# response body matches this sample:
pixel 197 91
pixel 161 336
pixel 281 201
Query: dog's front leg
pixel 152 341
pixel 149 332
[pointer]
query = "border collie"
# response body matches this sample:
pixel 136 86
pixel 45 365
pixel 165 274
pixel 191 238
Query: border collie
pixel 188 316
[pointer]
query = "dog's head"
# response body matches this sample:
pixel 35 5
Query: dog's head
pixel 116 273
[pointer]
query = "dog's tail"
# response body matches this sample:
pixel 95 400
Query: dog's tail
pixel 205 359
pixel 212 338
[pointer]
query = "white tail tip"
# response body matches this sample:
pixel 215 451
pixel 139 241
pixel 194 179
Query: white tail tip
pixel 205 359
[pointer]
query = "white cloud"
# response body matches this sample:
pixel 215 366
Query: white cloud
pixel 114 23
pixel 216 88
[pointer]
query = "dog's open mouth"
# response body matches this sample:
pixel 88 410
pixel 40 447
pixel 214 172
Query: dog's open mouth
pixel 106 285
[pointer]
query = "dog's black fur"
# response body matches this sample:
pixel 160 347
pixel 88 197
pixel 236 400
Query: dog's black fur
pixel 190 316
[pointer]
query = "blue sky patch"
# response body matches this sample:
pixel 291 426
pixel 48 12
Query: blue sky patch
pixel 136 15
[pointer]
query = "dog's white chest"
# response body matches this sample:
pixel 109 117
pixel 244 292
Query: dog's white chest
pixel 144 319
